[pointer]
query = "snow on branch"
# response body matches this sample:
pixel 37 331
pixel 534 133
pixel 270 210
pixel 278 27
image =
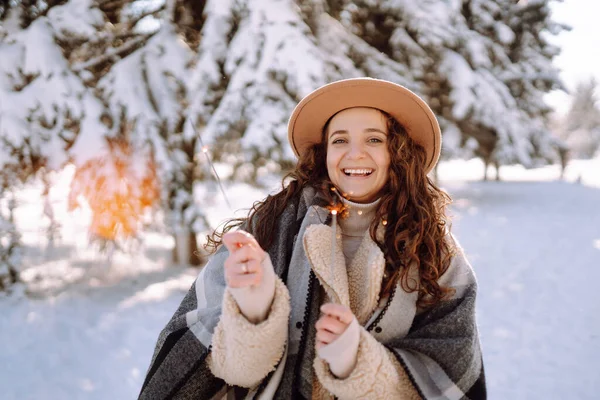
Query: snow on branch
pixel 111 53
pixel 143 15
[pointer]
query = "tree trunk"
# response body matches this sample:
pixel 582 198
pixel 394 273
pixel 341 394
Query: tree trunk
pixel 9 248
pixel 186 249
pixel 486 163
pixel 564 160
pixel 497 165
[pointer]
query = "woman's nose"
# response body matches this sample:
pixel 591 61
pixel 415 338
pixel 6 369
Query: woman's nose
pixel 356 152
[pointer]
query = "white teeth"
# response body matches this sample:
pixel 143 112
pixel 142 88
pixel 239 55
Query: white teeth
pixel 349 171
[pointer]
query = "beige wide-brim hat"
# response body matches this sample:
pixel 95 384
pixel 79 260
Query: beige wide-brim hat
pixel 306 124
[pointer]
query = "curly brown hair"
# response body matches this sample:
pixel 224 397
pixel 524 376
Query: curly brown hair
pixel 412 207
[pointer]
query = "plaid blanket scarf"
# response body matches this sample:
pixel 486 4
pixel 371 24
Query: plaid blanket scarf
pixel 440 352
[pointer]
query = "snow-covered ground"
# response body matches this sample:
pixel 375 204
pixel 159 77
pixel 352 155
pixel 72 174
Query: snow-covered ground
pixel 88 329
pixel 535 246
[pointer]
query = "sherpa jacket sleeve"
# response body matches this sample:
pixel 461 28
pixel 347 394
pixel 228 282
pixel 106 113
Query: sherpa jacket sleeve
pixel 255 301
pixel 180 367
pixel 244 353
pixel 376 375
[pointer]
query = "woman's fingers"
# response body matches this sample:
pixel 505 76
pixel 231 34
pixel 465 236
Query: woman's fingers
pixel 247 252
pixel 341 312
pixel 235 280
pixel 243 274
pixel 246 268
pixel 331 324
pixel 237 239
pixel 326 337
pixel 243 267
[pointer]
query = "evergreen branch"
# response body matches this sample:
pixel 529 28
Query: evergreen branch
pixel 111 53
pixel 143 15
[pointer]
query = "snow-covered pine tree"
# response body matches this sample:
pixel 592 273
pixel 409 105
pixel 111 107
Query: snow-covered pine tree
pixel 413 35
pixel 44 106
pixel 460 54
pixel 257 59
pixel 148 89
pixel 581 125
pixel 531 73
pixel 484 107
pixel 510 59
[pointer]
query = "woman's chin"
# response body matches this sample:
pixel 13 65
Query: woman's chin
pixel 361 197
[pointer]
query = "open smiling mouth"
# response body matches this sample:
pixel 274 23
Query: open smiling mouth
pixel 357 171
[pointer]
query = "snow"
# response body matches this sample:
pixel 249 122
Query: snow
pixel 148 87
pixel 12 22
pixel 42 55
pixel 33 117
pixel 88 328
pixel 461 76
pixel 76 18
pixel 504 33
pixel 534 245
pixel 270 49
pixel 89 143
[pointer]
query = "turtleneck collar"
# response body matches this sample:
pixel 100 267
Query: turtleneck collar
pixel 359 217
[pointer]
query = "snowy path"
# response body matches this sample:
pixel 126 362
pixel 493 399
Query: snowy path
pixel 90 342
pixel 535 248
pixel 536 251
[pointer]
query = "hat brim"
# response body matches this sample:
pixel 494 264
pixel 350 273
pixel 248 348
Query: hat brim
pixel 308 119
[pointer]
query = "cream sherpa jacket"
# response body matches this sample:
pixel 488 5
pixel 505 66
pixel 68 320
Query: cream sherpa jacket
pixel 244 354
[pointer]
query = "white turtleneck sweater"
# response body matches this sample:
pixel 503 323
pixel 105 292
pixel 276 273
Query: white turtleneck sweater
pixel 355 226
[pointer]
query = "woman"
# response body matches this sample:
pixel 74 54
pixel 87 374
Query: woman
pixel 298 303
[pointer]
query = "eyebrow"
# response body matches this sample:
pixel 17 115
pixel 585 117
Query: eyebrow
pixel 368 130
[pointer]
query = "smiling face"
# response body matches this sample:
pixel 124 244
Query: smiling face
pixel 358 159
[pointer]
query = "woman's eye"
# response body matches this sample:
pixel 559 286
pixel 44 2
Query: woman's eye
pixel 336 141
pixel 375 140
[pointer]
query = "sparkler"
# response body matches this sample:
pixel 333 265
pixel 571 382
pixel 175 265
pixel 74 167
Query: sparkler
pixel 334 211
pixel 333 242
pixel 212 166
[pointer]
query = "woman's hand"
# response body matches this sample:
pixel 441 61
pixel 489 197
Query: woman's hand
pixel 333 323
pixel 244 266
pixel 338 336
